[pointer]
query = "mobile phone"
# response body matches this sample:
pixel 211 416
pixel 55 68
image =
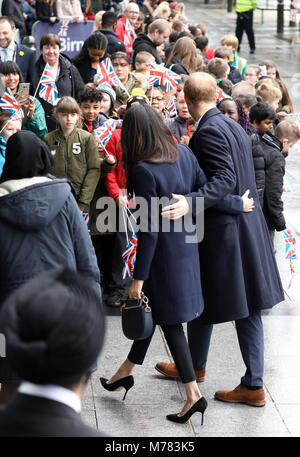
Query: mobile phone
pixel 25 87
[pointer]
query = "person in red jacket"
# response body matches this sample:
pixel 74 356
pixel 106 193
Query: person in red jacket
pixel 125 26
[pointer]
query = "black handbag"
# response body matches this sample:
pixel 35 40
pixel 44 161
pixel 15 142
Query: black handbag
pixel 137 322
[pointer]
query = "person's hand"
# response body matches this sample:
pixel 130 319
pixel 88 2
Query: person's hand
pixel 22 98
pixel 121 201
pixel 53 19
pixel 176 210
pixel 31 108
pixel 136 289
pixel 121 110
pixel 282 115
pixel 110 159
pixel 25 16
pixel 248 203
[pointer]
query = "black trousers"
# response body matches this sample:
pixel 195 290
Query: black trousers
pixel 178 346
pixel 109 249
pixel 244 22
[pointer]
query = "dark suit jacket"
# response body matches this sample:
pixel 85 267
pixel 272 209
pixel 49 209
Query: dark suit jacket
pixel 252 281
pixel 27 415
pixel 25 58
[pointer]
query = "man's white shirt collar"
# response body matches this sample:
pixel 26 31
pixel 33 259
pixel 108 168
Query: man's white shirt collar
pixel 52 392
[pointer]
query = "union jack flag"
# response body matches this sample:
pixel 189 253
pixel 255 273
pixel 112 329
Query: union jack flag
pixel 290 251
pixel 86 219
pixel 48 90
pixel 220 94
pixel 129 34
pixel 129 256
pixel 171 108
pixel 162 76
pixel 106 73
pixel 9 103
pixel 104 132
pixel 63 28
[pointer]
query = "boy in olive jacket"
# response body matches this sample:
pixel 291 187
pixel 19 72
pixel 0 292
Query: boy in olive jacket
pixel 75 153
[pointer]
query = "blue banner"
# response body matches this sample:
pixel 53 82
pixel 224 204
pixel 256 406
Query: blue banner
pixel 72 35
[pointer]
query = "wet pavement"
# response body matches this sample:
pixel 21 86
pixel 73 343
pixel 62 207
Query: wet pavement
pixel 143 412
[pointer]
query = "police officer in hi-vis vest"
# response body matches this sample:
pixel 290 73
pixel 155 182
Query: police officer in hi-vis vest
pixel 244 9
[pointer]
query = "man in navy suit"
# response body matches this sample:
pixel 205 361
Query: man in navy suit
pixel 10 50
pixel 239 274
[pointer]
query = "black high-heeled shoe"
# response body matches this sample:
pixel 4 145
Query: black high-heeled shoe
pixel 126 382
pixel 200 406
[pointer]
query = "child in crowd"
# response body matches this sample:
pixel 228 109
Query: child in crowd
pixel 269 94
pixel 276 147
pixel 143 61
pixel 243 88
pixel 219 69
pixel 191 128
pixel 108 100
pixel 90 102
pixel 234 109
pixel 286 104
pixel 157 99
pixel 178 124
pixel 252 73
pixel 247 101
pixel 75 152
pixel 262 118
pixel 7 129
pixel 201 43
pixel 232 43
pixel 224 53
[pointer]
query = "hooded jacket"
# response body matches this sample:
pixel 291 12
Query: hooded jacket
pixel 274 173
pixel 143 43
pixel 258 161
pixel 42 228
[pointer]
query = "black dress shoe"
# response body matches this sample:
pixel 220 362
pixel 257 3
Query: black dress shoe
pixel 200 406
pixel 252 51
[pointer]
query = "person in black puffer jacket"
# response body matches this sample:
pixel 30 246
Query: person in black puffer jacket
pixel 258 161
pixel 262 117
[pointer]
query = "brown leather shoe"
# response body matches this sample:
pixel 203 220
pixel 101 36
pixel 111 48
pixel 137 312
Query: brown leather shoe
pixel 242 395
pixel 170 370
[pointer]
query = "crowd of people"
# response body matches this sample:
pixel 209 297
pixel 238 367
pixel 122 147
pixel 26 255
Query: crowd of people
pixel 221 132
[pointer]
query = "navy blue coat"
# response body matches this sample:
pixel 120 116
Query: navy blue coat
pixel 165 261
pixel 238 269
pixel 41 228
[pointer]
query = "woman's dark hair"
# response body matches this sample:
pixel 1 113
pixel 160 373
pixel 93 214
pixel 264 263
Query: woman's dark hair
pixel 120 55
pixel 49 39
pixel 6 68
pixel 242 113
pixel 95 41
pixel 262 111
pixel 145 138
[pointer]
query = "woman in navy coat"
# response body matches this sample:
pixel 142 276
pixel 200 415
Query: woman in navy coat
pixel 167 267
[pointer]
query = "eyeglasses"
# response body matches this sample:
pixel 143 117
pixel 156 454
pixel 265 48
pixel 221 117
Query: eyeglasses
pixel 132 12
pixel 156 99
